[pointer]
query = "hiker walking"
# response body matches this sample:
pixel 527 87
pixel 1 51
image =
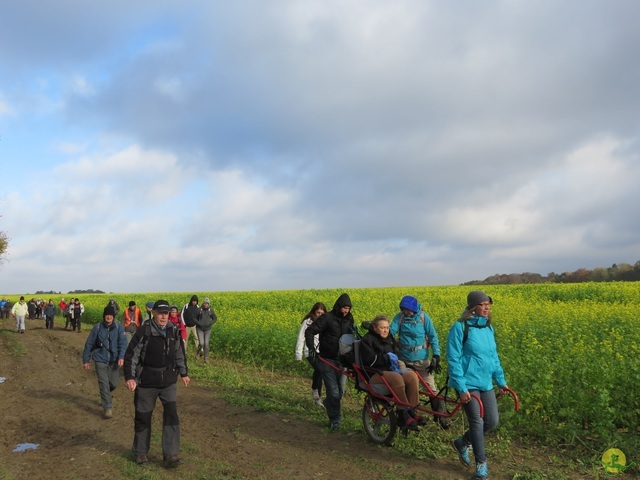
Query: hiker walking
pixel 131 320
pixel 76 310
pixel 106 345
pixel 49 313
pixel 152 363
pixel 204 322
pixel 473 368
pixel 302 350
pixel 20 310
pixel 190 313
pixel 330 327
pixel 416 334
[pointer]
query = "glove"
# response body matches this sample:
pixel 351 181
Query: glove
pixel 393 363
pixel 435 366
pixel 313 355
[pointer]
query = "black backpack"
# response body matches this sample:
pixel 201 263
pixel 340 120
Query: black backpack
pixel 190 314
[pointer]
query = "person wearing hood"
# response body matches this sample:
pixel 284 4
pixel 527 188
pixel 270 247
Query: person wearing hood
pixel 204 322
pixel 378 350
pixel 415 333
pixel 330 327
pixel 189 315
pixel 106 345
pixel 474 367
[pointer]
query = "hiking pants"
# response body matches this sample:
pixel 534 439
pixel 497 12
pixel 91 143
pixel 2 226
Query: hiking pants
pixel 203 340
pixel 20 323
pixel 49 322
pixel 108 379
pixel 191 330
pixel 478 426
pixel 144 400
pixel 405 386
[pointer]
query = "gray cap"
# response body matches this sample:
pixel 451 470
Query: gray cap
pixel 477 297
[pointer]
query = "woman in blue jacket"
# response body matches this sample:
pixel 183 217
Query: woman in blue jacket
pixel 106 344
pixel 474 367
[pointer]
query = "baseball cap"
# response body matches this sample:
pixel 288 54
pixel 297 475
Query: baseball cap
pixel 161 306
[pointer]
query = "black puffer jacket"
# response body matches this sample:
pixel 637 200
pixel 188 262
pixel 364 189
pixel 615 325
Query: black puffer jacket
pixel 374 349
pixel 330 327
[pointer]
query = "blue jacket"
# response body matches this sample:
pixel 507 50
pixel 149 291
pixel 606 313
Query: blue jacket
pixel 105 344
pixel 412 336
pixel 474 365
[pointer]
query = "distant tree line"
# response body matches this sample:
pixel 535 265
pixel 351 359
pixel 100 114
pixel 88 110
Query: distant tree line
pixel 618 272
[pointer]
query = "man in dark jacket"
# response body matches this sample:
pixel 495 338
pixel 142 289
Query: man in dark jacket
pixel 154 358
pixel 330 327
pixel 106 344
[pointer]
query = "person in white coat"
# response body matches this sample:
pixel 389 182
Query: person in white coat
pixel 302 350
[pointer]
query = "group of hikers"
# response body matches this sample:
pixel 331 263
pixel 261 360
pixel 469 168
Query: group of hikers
pixel 398 351
pixel 151 349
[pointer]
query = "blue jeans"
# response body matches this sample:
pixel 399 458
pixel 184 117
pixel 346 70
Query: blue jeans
pixel 478 426
pixel 334 386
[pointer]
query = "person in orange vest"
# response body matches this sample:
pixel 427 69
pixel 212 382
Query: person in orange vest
pixel 131 320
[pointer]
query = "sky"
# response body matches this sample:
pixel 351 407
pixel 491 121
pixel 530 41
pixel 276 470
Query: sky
pixel 163 146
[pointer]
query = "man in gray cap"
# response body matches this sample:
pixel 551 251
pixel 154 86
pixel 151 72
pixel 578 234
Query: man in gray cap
pixel 153 360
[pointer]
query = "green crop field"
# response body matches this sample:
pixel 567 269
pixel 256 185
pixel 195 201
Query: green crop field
pixel 569 350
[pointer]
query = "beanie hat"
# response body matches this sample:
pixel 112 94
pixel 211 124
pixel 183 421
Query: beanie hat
pixel 109 310
pixel 194 297
pixel 132 303
pixel 149 304
pixel 410 303
pixel 206 300
pixel 477 297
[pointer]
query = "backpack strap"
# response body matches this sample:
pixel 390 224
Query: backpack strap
pixel 465 335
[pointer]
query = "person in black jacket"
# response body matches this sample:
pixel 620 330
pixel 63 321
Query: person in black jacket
pixel 330 327
pixel 378 350
pixel 153 360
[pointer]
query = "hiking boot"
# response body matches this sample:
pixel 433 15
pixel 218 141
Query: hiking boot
pixel 108 413
pixel 334 426
pixel 142 459
pixel 171 462
pixel 482 470
pixel 463 451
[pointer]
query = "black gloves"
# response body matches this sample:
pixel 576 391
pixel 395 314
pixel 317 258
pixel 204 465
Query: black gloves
pixel 313 355
pixel 435 367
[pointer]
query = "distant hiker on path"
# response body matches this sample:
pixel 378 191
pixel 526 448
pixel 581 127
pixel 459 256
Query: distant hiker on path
pixel 76 310
pixel 131 320
pixel 302 350
pixel 20 311
pixel 204 322
pixel 49 313
pixel 106 344
pixel 190 313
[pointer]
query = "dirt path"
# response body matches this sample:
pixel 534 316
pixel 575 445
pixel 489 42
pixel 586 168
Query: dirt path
pixel 48 399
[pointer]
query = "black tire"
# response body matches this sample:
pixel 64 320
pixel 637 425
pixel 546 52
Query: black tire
pixel 379 420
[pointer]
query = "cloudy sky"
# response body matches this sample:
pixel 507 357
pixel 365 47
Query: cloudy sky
pixel 251 145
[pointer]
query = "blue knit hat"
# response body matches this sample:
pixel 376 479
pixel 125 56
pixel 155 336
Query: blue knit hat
pixel 410 303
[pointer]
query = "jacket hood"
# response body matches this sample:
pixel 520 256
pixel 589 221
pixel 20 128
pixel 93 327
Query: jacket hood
pixel 194 297
pixel 343 301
